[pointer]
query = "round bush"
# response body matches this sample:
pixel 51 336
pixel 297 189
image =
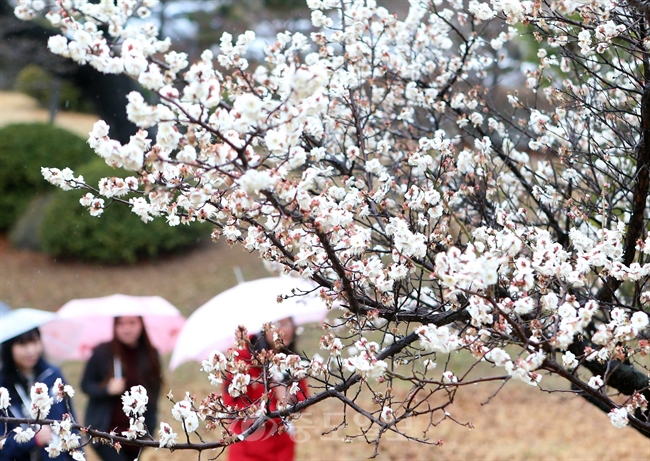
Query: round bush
pixel 24 149
pixel 117 236
pixel 24 233
pixel 38 83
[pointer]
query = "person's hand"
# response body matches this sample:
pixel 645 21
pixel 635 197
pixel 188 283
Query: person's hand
pixel 116 386
pixel 280 392
pixel 43 436
pixel 283 396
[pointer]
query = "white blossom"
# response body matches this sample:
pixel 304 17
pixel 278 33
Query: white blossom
pixel 239 384
pixel 569 360
pixel 62 390
pixel 367 367
pixel 387 414
pixel 5 400
pixel 254 181
pixel 134 401
pixel 136 428
pixel 596 382
pixel 23 435
pixel 448 377
pixel 41 401
pixel 618 417
pixel 167 437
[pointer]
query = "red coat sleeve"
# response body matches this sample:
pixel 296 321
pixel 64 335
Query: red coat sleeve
pixel 255 388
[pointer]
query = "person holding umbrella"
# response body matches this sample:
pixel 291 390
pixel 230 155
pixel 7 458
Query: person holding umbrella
pixel 270 442
pixel 115 366
pixel 211 326
pixel 23 365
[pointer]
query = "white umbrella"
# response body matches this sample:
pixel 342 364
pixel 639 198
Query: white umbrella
pixel 251 304
pixel 89 322
pixel 18 321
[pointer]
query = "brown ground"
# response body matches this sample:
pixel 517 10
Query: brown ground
pixel 521 423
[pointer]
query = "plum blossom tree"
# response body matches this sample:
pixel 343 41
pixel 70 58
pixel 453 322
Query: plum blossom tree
pixel 440 213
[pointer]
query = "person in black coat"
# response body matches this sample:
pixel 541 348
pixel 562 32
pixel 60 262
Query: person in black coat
pixel 23 366
pixel 114 367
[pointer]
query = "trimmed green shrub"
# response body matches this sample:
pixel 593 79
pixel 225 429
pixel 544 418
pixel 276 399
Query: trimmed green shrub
pixel 38 83
pixel 24 149
pixel 24 233
pixel 117 236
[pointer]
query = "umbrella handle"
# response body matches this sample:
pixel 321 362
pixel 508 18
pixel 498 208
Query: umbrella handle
pixel 117 368
pixel 238 274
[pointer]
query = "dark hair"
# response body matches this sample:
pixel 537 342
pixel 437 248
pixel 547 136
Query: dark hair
pixel 150 374
pixel 9 369
pixel 260 342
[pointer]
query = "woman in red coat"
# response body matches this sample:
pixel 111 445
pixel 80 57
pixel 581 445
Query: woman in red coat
pixel 271 442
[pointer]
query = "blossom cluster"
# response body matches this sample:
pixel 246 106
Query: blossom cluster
pixel 184 412
pixel 5 399
pixel 41 401
pixel 65 441
pixel 62 391
pixel 134 404
pixel 365 362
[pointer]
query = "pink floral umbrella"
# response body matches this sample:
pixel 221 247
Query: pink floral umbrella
pixel 89 322
pixel 251 304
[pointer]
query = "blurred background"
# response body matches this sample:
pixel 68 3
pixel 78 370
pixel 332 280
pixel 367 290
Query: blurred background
pixel 52 251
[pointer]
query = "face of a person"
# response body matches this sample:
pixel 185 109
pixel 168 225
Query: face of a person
pixel 284 326
pixel 128 330
pixel 26 355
